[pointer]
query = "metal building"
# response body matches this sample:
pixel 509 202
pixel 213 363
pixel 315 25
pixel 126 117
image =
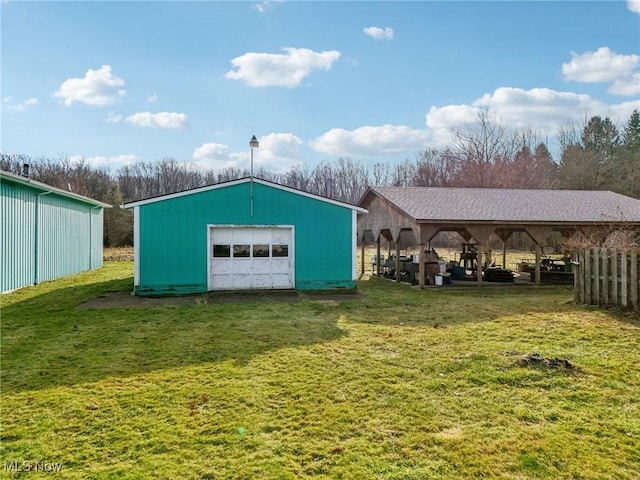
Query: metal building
pixel 243 234
pixel 45 232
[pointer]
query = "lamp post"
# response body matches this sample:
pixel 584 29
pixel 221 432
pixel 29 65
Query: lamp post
pixel 253 143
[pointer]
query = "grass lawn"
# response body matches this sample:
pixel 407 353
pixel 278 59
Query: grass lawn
pixel 404 384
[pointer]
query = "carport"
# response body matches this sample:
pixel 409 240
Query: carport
pixel 415 215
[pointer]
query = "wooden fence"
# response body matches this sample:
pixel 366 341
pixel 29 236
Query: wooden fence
pixel 607 277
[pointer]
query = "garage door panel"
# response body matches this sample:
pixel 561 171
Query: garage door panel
pixel 224 235
pixel 222 282
pixel 261 235
pixel 281 235
pixel 261 266
pixel 221 266
pixel 262 281
pixel 281 280
pixel 241 281
pixel 241 266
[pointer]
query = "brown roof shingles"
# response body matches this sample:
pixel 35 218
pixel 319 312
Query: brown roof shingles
pixel 512 205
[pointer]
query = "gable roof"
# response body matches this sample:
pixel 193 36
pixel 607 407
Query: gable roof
pixel 438 204
pixel 240 181
pixel 43 187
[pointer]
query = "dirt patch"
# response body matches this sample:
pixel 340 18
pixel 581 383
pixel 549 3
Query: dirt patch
pixel 125 299
pixel 537 360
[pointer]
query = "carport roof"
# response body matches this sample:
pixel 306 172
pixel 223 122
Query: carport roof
pixel 437 204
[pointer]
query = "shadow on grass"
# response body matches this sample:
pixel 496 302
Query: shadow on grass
pixel 47 341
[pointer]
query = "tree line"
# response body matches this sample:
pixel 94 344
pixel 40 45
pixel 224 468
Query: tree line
pixel 485 154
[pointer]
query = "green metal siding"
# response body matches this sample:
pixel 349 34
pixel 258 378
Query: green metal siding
pixel 65 238
pixel 173 236
pixel 46 236
pixel 17 220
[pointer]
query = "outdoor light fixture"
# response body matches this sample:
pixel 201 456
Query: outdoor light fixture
pixel 253 143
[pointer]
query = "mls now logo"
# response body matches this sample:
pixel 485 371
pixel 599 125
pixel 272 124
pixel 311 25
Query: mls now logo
pixel 31 466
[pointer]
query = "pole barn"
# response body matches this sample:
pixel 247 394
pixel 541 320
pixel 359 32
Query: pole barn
pixel 246 234
pixel 47 233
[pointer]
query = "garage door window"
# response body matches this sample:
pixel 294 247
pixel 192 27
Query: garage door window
pixel 222 251
pixel 241 251
pixel 261 251
pixel 280 250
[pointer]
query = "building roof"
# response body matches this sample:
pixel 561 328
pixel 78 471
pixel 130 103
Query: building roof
pixel 43 187
pixel 437 204
pixel 238 182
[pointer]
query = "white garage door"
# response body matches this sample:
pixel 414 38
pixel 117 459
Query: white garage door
pixel 250 257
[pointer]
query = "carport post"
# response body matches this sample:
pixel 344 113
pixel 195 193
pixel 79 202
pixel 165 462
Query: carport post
pixel 397 262
pixel 504 254
pixel 421 271
pixel 378 256
pixel 538 255
pixel 479 253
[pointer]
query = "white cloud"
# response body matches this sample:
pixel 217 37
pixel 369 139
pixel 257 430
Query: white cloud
pixel 97 87
pixel 264 6
pixel 157 120
pixel 152 98
pixel 628 86
pixel 280 70
pixel 603 65
pixel 22 106
pixel 634 5
pixel 621 112
pixel 521 108
pixel 112 162
pixel 379 33
pixel 217 156
pixel 113 117
pixel 381 140
pixel 541 109
pixel 98 161
pixel 277 153
pixel 451 116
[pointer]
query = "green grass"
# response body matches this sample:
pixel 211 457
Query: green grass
pixel 405 384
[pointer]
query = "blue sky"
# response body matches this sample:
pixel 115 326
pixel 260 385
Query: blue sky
pixel 119 82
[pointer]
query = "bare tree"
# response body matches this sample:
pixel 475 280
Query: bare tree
pixel 380 174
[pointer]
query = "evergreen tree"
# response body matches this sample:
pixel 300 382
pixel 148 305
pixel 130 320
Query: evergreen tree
pixel 631 134
pixel 628 173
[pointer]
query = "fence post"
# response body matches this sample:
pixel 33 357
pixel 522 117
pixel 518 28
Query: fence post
pixel 624 281
pixel 583 276
pixel 633 280
pixel 604 255
pixel 596 276
pixel 577 270
pixel 588 281
pixel 615 299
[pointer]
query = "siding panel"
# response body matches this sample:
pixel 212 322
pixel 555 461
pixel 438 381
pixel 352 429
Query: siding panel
pixel 18 236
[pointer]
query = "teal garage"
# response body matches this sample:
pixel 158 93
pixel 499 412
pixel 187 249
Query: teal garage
pixel 244 234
